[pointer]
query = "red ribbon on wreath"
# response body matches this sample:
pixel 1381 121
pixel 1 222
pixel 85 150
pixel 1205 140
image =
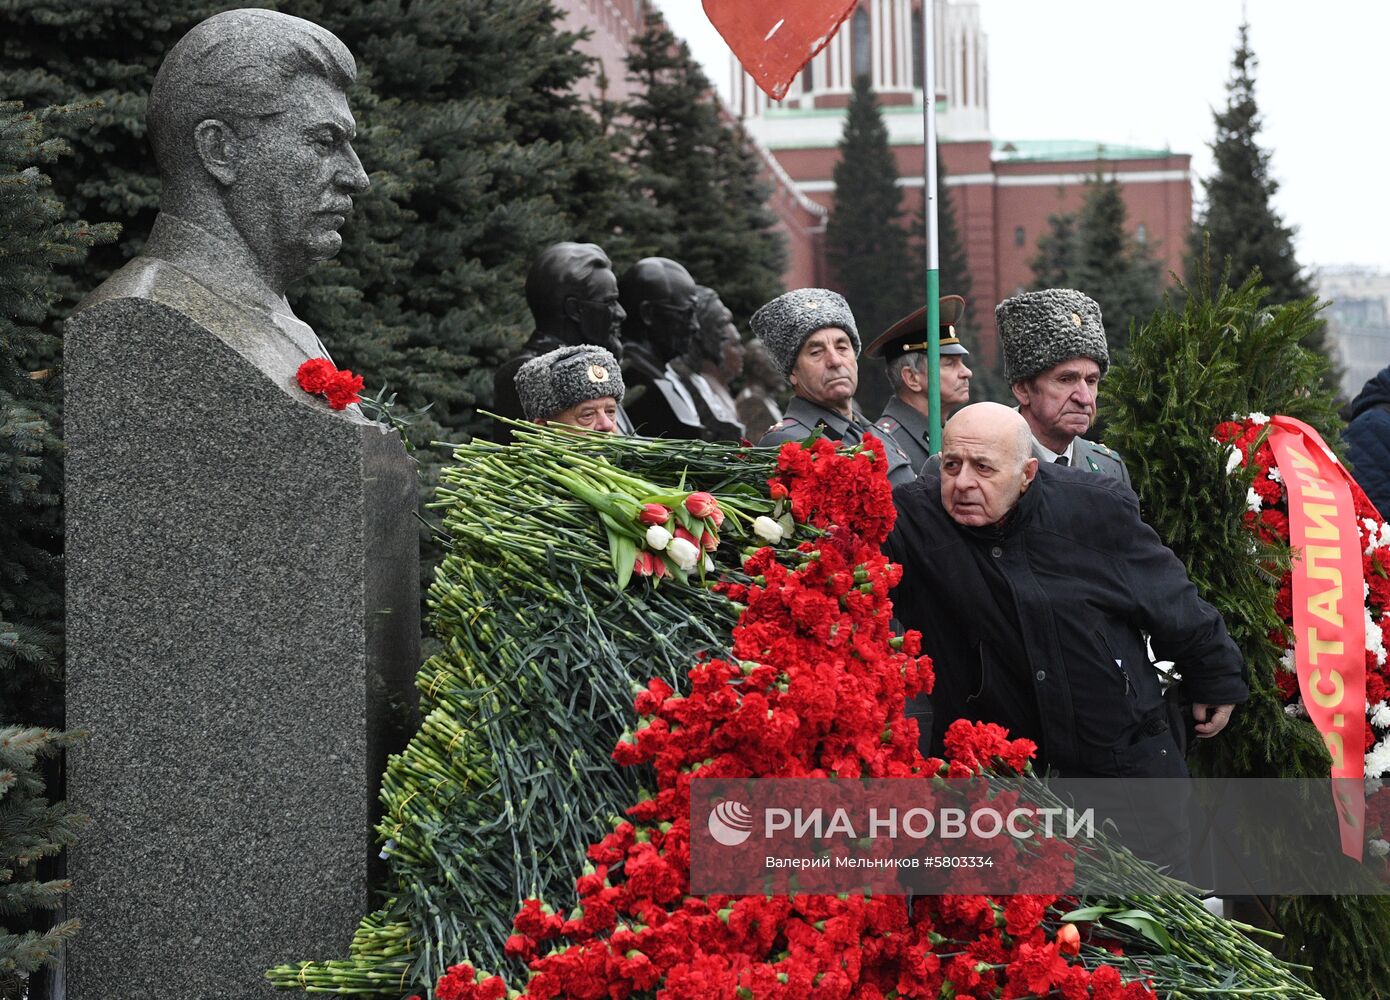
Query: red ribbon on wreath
pixel 1329 618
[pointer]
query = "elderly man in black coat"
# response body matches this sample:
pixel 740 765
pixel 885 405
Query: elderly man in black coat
pixel 1032 587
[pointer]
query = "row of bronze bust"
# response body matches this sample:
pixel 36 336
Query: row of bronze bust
pixel 677 341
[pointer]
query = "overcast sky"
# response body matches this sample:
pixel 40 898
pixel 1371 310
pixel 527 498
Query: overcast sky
pixel 1149 74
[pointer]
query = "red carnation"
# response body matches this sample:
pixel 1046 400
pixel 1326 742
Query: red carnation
pixel 320 377
pixel 315 375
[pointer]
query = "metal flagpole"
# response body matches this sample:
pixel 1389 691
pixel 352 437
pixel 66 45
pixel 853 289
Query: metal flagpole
pixel 930 235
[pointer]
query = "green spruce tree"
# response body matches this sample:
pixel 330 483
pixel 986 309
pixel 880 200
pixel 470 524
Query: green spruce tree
pixel 1055 261
pixel 702 175
pixel 34 238
pixel 1161 404
pixel 1239 216
pixel 952 263
pixel 1093 252
pixel 987 381
pixel 33 830
pixel 1111 266
pixel 865 244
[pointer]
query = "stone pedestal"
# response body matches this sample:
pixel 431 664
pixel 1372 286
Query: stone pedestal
pixel 243 627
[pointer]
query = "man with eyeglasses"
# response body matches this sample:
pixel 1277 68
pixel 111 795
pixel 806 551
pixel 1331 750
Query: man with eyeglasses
pixel 573 296
pixel 658 298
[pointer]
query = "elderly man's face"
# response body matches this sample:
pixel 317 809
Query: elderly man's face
pixel 983 473
pixel 1060 403
pixel 955 381
pixel 599 415
pixel 826 369
pixel 296 173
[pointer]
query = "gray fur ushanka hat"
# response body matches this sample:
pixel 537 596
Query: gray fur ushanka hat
pixel 1040 329
pixel 565 377
pixel 784 323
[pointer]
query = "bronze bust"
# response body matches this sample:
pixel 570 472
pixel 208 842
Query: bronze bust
pixel 573 296
pixel 658 296
pixel 713 360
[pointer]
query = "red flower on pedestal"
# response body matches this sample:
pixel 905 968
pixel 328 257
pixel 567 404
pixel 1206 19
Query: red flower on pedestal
pixel 320 377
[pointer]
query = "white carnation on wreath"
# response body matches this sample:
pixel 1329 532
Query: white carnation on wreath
pixel 1375 639
pixel 1252 500
pixel 1378 760
pixel 1380 714
pixel 1258 418
pixel 1273 473
pixel 1380 848
pixel 1234 458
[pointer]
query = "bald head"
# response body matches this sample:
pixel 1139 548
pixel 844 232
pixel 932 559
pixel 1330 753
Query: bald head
pixel 986 463
pixel 992 422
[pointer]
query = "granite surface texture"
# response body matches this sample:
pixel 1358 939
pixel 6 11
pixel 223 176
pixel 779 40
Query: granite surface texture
pixel 243 629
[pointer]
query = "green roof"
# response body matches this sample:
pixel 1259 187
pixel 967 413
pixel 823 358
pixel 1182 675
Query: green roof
pixel 1071 149
pixel 772 111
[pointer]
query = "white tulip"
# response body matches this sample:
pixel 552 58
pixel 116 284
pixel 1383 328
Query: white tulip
pixel 658 538
pixel 686 554
pixel 767 529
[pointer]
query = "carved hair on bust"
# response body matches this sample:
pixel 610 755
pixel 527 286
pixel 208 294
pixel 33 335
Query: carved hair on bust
pixel 560 271
pixel 710 313
pixel 235 67
pixel 658 295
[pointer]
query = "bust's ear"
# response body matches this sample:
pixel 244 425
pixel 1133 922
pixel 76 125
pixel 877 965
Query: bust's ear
pixel 218 147
pixel 570 308
pixel 646 310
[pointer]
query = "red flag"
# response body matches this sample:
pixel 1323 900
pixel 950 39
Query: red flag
pixel 775 40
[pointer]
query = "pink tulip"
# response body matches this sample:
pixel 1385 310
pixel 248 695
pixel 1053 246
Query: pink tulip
pixel 702 505
pixel 654 513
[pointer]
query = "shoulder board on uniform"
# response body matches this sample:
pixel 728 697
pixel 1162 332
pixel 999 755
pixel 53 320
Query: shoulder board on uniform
pixel 784 423
pixel 887 424
pixel 1106 451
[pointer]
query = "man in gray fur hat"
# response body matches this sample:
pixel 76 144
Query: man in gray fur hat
pixel 579 386
pixel 1054 358
pixel 811 335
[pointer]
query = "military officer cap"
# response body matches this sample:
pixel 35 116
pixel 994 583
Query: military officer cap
pixel 566 377
pixel 1040 329
pixel 785 323
pixel 909 334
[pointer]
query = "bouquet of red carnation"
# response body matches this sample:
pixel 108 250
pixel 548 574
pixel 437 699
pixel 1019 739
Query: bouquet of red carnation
pixel 815 686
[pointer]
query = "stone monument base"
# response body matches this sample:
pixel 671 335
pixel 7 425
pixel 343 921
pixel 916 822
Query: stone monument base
pixel 243 628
